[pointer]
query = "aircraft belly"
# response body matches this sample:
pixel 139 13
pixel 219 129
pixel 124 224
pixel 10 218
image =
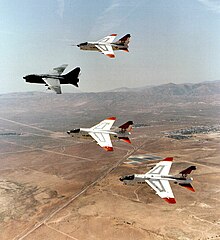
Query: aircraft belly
pixel 81 135
pixel 36 81
pixel 118 48
pixel 90 48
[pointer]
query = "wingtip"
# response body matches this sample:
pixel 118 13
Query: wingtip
pixel 170 200
pixel 111 118
pixel 168 159
pixel 110 55
pixel 108 149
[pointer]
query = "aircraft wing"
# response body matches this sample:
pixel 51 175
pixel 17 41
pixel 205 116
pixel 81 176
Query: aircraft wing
pixel 106 49
pixel 103 139
pixel 53 84
pixel 162 168
pixel 163 189
pixel 58 70
pixel 105 124
pixel 108 39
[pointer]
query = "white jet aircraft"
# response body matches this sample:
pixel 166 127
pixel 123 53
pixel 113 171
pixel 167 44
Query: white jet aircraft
pixel 53 80
pixel 158 178
pixel 101 132
pixel 106 45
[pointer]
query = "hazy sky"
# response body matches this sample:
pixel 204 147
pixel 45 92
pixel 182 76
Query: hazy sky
pixel 171 41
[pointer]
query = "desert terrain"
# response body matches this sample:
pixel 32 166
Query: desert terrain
pixel 53 186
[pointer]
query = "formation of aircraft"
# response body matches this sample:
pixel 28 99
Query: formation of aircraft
pixel 102 131
pixel 158 178
pixel 53 80
pixel 106 45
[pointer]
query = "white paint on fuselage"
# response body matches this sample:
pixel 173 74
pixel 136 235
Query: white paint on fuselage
pixel 89 130
pixel 141 179
pixel 91 46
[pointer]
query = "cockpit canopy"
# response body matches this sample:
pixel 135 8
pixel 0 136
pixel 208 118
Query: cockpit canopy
pixel 128 177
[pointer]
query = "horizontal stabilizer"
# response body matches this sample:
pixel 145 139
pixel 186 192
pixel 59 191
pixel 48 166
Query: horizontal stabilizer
pixel 187 171
pixel 187 186
pixel 125 139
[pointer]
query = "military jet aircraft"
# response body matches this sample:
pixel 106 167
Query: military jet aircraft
pixel 158 178
pixel 53 80
pixel 101 132
pixel 106 45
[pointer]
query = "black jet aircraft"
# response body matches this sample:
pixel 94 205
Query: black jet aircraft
pixel 53 80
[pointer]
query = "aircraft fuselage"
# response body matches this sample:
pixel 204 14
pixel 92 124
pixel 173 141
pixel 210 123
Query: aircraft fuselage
pixel 85 132
pixel 91 46
pixel 38 78
pixel 141 179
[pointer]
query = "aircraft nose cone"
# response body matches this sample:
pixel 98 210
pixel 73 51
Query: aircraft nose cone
pixel 78 45
pixel 121 179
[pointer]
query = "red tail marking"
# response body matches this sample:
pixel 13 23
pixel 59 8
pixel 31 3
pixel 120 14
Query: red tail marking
pixel 169 159
pixel 108 149
pixel 113 34
pixel 125 38
pixel 125 50
pixel 170 200
pixel 188 170
pixel 126 125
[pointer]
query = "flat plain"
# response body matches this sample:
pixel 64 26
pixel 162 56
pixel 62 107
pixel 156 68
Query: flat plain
pixel 53 186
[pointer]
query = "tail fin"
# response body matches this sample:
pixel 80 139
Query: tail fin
pixel 72 77
pixel 187 171
pixel 126 126
pixel 187 186
pixel 124 40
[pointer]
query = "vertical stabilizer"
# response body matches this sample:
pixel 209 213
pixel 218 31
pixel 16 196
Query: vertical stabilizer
pixel 124 40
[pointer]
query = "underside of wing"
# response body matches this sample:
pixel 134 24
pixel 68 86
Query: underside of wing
pixel 105 124
pixel 59 70
pixel 106 49
pixel 163 189
pixel 162 168
pixel 108 39
pixel 53 84
pixel 103 139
